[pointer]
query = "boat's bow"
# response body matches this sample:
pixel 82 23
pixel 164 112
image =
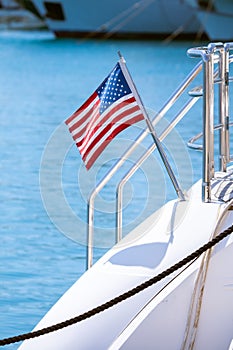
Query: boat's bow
pixel 189 306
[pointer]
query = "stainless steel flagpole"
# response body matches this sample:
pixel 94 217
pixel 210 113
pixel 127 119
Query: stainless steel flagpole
pixel 150 127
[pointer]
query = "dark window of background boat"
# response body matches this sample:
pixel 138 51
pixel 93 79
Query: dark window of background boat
pixel 206 5
pixel 54 10
pixel 28 5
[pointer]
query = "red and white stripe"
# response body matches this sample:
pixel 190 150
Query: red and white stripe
pixel 92 131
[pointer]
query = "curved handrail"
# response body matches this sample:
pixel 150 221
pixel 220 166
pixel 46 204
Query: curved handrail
pixel 137 165
pixel 193 139
pixel 168 104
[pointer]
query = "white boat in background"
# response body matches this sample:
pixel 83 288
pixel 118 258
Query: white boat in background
pixel 14 16
pixel 215 16
pixel 173 303
pixel 143 18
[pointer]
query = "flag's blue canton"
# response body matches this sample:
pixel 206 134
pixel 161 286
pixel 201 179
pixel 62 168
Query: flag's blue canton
pixel 113 88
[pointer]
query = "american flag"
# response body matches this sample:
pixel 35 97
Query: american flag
pixel 109 110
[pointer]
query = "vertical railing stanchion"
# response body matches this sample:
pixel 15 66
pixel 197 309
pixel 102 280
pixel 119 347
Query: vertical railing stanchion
pixel 208 128
pixel 90 235
pixel 222 110
pixel 207 55
pixel 228 47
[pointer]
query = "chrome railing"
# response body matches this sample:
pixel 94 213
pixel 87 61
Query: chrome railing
pixel 137 165
pixel 216 53
pixel 212 54
pixel 191 142
pixel 166 107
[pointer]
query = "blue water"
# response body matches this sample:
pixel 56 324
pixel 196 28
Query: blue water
pixel 42 81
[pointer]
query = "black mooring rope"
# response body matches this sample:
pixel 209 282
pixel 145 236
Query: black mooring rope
pixel 121 297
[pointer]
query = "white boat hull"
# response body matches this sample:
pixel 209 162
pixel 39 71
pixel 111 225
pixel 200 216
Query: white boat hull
pixel 159 313
pixel 216 18
pixel 119 18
